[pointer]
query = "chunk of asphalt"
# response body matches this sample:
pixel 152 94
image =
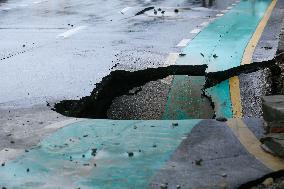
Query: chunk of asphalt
pixel 275 143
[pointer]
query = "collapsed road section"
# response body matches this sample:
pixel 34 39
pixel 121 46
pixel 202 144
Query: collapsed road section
pixel 199 91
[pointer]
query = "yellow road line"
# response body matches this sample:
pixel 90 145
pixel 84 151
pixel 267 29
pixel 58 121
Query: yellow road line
pixel 236 97
pixel 252 145
pixel 247 59
pixel 247 56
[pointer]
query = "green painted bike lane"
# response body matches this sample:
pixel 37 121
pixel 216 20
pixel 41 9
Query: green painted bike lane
pixel 220 46
pixel 97 154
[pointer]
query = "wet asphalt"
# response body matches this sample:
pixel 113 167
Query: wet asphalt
pixel 59 50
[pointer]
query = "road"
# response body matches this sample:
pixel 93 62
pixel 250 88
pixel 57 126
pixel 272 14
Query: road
pixel 57 50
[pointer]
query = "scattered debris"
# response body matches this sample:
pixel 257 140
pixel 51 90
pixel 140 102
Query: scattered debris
pixel 182 54
pixel 215 56
pixel 94 152
pixel 175 124
pixel 274 143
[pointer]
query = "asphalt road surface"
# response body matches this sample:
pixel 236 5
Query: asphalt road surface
pixel 52 50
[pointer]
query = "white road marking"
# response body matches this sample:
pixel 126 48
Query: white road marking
pixel 219 15
pixel 234 4
pixel 71 32
pixel 195 30
pixel 125 9
pixel 171 59
pixel 61 124
pixel 224 11
pixel 7 8
pixel 204 24
pixel 23 5
pixel 183 42
pixel 229 8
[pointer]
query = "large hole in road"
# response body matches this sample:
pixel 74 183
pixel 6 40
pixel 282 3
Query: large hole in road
pixel 144 94
pixel 102 103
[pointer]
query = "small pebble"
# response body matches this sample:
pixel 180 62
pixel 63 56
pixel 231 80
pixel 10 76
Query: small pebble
pixel 130 154
pixel 175 124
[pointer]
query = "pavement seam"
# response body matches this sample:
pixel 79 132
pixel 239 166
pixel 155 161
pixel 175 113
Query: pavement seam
pixel 253 145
